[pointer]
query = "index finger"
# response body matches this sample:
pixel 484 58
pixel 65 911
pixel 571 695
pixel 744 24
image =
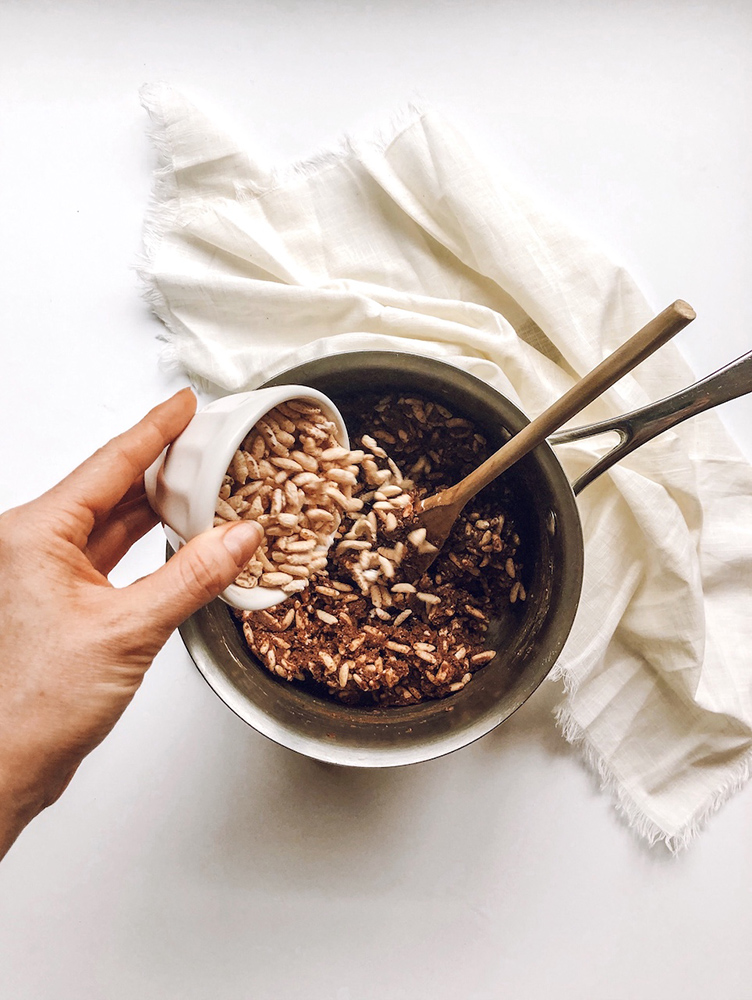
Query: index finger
pixel 102 480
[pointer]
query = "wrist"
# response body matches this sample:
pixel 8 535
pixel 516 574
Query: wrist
pixel 17 809
pixel 24 793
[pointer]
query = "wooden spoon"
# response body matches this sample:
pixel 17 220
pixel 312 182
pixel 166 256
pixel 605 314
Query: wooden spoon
pixel 438 513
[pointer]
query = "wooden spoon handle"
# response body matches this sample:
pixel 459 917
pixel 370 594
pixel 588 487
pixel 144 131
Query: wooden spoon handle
pixel 647 340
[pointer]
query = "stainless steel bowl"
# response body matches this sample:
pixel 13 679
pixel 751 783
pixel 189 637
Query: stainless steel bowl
pixel 527 638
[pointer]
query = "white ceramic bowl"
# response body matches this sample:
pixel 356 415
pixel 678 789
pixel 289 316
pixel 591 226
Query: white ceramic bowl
pixel 184 482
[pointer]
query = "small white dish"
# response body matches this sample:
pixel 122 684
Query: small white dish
pixel 182 486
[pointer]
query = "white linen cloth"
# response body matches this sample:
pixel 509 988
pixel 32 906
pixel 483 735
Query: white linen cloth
pixel 402 242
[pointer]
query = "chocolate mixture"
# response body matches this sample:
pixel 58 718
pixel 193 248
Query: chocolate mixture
pixel 357 633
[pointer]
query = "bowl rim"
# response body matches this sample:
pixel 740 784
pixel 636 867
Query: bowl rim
pixel 369 757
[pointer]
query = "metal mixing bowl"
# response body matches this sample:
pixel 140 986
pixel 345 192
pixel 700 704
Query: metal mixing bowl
pixel 528 637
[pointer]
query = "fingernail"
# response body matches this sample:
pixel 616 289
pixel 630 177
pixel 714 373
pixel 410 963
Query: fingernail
pixel 242 539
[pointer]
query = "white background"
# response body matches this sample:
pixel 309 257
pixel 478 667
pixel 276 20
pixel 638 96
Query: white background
pixel 191 858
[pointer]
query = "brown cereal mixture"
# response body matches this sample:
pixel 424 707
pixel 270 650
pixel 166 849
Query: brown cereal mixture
pixel 358 633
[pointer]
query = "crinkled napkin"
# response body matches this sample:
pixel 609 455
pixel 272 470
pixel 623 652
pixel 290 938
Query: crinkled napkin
pixel 402 242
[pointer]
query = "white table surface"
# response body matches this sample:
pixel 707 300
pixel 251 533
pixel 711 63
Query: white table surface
pixel 191 858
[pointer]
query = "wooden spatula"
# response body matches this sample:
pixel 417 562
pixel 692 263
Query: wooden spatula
pixel 438 513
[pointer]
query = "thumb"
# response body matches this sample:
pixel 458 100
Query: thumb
pixel 195 575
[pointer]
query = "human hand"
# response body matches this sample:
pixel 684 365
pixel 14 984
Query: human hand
pixel 73 649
